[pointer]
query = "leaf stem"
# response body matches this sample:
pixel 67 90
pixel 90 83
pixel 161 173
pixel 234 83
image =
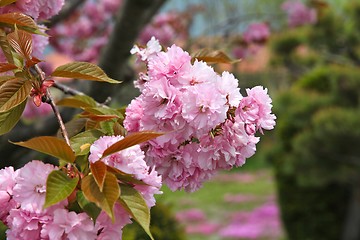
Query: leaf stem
pixel 63 130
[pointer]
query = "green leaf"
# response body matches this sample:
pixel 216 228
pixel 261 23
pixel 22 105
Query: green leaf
pixel 81 142
pixel 13 92
pixel 58 187
pixel 99 170
pixel 73 127
pixel 131 140
pixel 6 2
pixel 9 119
pixel 89 207
pixel 78 101
pixel 104 199
pixel 212 56
pixel 125 177
pixel 50 145
pixel 21 42
pixel 135 204
pixel 3 229
pixel 20 20
pixel 82 70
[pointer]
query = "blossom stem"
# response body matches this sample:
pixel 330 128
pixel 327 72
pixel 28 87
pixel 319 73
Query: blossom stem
pixel 63 130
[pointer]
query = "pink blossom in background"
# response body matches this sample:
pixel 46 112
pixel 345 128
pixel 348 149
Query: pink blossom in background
pixel 40 9
pixel 256 33
pixel 239 198
pixel 298 13
pixel 31 111
pixel 205 228
pixel 263 221
pixel 190 215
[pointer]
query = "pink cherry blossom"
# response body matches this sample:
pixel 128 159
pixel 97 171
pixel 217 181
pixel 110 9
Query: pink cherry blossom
pixel 24 225
pixel 255 109
pixel 256 33
pixel 109 229
pixel 131 161
pixel 40 9
pixel 7 183
pixel 29 190
pixel 298 13
pixel 69 225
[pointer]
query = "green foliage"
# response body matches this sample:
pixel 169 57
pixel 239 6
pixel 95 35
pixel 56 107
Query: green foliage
pixel 164 226
pixel 310 212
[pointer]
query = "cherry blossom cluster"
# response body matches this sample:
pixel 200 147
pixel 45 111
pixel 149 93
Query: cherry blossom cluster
pixel 209 125
pixel 298 13
pixel 254 36
pixel 22 196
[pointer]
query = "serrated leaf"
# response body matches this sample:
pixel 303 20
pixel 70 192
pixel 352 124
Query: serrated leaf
pixel 98 170
pixel 6 2
pixel 78 101
pixel 58 187
pixel 124 177
pixel 84 138
pixel 9 119
pixel 13 92
pixel 50 145
pixel 83 70
pixel 135 204
pixel 130 140
pixel 89 207
pixel 5 67
pixel 73 127
pixel 21 42
pixel 5 46
pixel 104 199
pixel 212 56
pixel 19 19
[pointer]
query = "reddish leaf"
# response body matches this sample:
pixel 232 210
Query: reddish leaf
pixel 50 145
pixel 82 70
pixel 13 92
pixel 98 169
pixel 18 19
pixel 131 140
pixel 5 67
pixel 212 56
pixel 6 2
pixel 21 42
pixel 104 199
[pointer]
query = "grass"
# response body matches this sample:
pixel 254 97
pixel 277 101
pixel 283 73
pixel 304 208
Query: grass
pixel 258 185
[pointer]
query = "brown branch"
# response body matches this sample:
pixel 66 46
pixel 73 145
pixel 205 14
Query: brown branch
pixel 66 11
pixel 132 17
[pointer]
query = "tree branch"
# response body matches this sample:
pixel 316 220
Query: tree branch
pixel 66 11
pixel 132 17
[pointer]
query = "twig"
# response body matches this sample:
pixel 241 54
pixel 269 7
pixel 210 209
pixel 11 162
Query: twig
pixel 63 130
pixel 66 89
pixel 65 12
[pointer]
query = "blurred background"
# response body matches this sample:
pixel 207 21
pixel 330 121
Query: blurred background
pixel 304 181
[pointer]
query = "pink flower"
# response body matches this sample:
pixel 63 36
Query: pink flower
pixel 131 161
pixel 112 230
pixel 256 33
pixel 152 47
pixel 30 188
pixel 228 86
pixel 7 183
pixel 69 225
pixel 31 111
pixel 134 114
pixel 255 110
pixel 173 64
pixel 40 9
pixel 202 111
pixel 39 44
pixel 24 225
pixel 298 13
